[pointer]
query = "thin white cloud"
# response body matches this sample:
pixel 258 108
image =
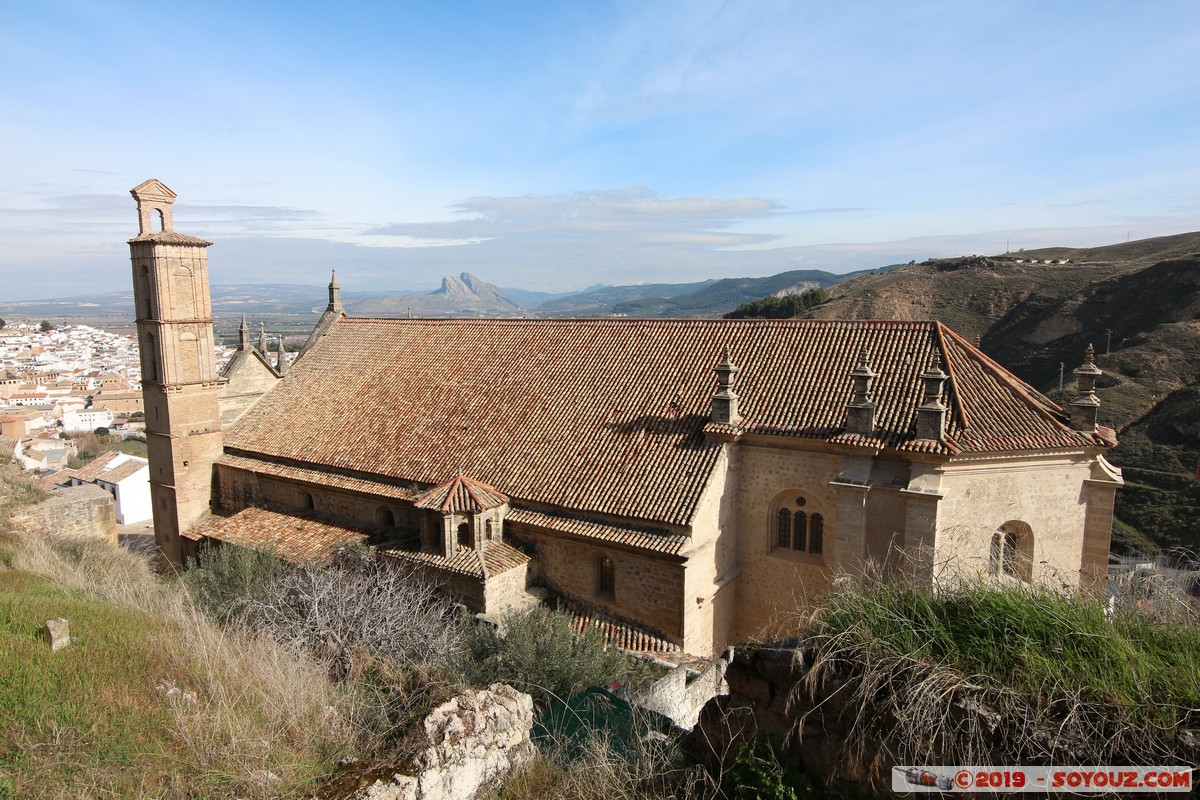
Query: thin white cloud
pixel 629 215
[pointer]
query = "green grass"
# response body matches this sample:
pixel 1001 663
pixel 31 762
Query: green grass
pixel 1040 644
pixel 87 714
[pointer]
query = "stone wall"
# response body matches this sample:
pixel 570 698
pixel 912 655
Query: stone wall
pixel 84 510
pixel 681 693
pixel 773 583
pixel 247 379
pixel 470 742
pixel 646 590
pixel 1044 494
pixel 759 706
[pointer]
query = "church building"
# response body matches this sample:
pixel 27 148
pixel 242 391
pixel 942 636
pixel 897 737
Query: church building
pixel 685 484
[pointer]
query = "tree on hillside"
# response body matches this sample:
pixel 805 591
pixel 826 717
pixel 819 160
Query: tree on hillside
pixel 3 324
pixel 45 326
pixel 784 307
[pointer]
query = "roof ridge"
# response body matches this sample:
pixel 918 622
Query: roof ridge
pixel 1022 389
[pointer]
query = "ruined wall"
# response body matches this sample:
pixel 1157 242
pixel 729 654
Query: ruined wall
pixel 84 510
pixel 774 583
pixel 681 693
pixel 470 742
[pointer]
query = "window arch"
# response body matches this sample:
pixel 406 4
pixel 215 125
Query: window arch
pixel 607 583
pixel 487 530
pixel 795 529
pixel 306 502
pixel 464 535
pixel 150 373
pixel 1011 552
pixel 385 517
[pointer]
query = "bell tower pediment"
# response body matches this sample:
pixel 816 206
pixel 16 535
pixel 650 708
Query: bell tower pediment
pixel 153 197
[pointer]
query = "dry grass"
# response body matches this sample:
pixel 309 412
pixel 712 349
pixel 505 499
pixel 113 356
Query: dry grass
pixel 152 699
pixel 598 769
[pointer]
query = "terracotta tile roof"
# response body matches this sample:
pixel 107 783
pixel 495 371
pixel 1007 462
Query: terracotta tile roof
pixel 495 559
pixel 642 538
pixel 366 485
pixel 608 416
pixel 461 494
pixel 170 237
pixel 622 634
pixel 123 471
pixel 294 536
pixel 60 478
pixel 97 466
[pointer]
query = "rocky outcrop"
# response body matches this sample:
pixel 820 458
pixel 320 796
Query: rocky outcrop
pixel 471 742
pixel 468 292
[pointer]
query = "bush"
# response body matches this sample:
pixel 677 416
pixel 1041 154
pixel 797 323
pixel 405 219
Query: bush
pixel 358 609
pixel 538 652
pixel 225 580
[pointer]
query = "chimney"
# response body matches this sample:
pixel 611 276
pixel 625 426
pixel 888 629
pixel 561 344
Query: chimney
pixel 1085 407
pixel 931 414
pixel 724 402
pixel 335 294
pixel 243 334
pixel 860 412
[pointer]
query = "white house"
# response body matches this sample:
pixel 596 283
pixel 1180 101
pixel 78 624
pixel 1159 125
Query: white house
pixel 87 419
pixel 125 477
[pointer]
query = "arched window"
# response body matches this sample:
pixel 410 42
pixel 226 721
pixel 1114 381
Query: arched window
pixel 143 292
pixel 1011 552
pixel 487 530
pixel 464 535
pixel 306 502
pixel 796 530
pixel 607 576
pixel 384 517
pixel 150 360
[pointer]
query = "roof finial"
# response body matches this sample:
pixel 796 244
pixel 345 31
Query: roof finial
pixel 335 293
pixel 281 362
pixel 262 338
pixel 243 334
pixel 724 402
pixel 1085 407
pixel 932 413
pixel 860 411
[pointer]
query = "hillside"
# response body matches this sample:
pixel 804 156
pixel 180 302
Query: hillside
pixel 710 298
pixel 1137 302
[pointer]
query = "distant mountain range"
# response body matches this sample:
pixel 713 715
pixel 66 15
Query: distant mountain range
pixel 461 295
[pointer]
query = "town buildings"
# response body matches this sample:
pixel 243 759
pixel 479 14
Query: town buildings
pixel 686 483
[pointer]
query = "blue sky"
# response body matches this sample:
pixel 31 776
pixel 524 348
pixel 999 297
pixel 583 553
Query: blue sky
pixel 555 145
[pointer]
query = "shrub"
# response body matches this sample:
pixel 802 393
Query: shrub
pixel 358 609
pixel 538 652
pixel 225 580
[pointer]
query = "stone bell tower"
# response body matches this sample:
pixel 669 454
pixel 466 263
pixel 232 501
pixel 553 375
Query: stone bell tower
pixel 179 372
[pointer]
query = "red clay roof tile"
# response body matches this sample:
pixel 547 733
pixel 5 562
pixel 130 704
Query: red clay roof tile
pixel 608 416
